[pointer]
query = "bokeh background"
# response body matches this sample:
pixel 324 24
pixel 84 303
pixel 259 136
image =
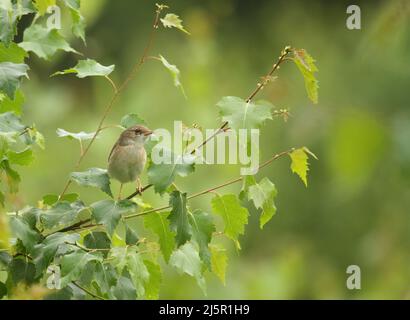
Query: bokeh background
pixel 356 208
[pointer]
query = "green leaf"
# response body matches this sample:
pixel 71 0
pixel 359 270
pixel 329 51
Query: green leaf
pixel 4 233
pixel 10 74
pixel 12 53
pixel 124 289
pixel 153 284
pixel 93 177
pixel 300 164
pixel 24 232
pixel 186 259
pixel 10 123
pixel 219 262
pixel 44 42
pixel 50 199
pixel 62 213
pixel 15 106
pixel 88 68
pixel 176 74
pixel 78 25
pixel 162 175
pixel 263 195
pixel 307 67
pixel 108 212
pixel 97 240
pixel 131 236
pixel 130 120
pixel 44 252
pixel 42 5
pixel 202 230
pixel 234 216
pixel 138 271
pixel 3 290
pixel 179 217
pixel 22 270
pixel 159 224
pixel 80 136
pixel 73 264
pixel 13 178
pixel 171 20
pixel 244 115
pixel 105 277
pixel 247 181
pixel 22 158
pixel 8 22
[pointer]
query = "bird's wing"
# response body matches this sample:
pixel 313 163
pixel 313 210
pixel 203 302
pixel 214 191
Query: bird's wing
pixel 112 150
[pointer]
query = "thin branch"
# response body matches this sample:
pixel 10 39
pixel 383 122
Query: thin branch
pixel 264 164
pixel 88 291
pixel 117 92
pixel 266 79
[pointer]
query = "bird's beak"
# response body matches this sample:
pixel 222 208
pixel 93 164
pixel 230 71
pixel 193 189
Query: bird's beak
pixel 148 133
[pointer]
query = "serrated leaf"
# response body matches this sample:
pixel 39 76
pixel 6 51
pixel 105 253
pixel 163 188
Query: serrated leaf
pixel 44 42
pixel 93 177
pixel 50 199
pixel 78 24
pixel 306 65
pixel 10 74
pixel 159 224
pixel 300 164
pixel 105 277
pixel 153 284
pixel 12 53
pixel 162 175
pixel 176 74
pixel 178 218
pixel 97 240
pixel 138 271
pixel 13 178
pixel 263 195
pixel 21 270
pixel 44 252
pixel 109 212
pixel 24 232
pixel 171 20
pixel 131 236
pixel 22 158
pixel 244 115
pixel 42 5
pixel 8 22
pixel 202 230
pixel 10 123
pixel 10 105
pixel 130 120
pixel 247 181
pixel 73 264
pixel 234 216
pixel 62 213
pixel 186 260
pixel 124 289
pixel 219 262
pixel 81 136
pixel 88 68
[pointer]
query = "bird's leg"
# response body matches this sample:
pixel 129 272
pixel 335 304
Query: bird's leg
pixel 139 186
pixel 119 193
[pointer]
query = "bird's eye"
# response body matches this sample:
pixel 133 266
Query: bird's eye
pixel 137 131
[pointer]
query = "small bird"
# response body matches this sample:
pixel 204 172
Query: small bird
pixel 128 156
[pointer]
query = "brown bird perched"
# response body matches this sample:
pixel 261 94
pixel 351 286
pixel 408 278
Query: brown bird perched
pixel 128 157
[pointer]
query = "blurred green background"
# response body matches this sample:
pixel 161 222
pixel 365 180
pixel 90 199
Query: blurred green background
pixel 356 208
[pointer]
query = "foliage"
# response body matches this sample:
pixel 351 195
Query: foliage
pixel 91 245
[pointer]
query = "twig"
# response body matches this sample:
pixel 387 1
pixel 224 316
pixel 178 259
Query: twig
pixel 88 291
pixel 117 92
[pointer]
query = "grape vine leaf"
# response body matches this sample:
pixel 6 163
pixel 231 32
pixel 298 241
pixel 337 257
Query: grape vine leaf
pixel 306 65
pixel 171 20
pixel 163 174
pixel 186 260
pixel 10 74
pixel 93 177
pixel 263 195
pixel 80 136
pixel 44 42
pixel 88 68
pixel 159 224
pixel 178 218
pixel 176 74
pixel 202 230
pixel 299 164
pixel 108 212
pixel 234 216
pixel 153 284
pixel 219 262
pixel 244 115
pixel 130 120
